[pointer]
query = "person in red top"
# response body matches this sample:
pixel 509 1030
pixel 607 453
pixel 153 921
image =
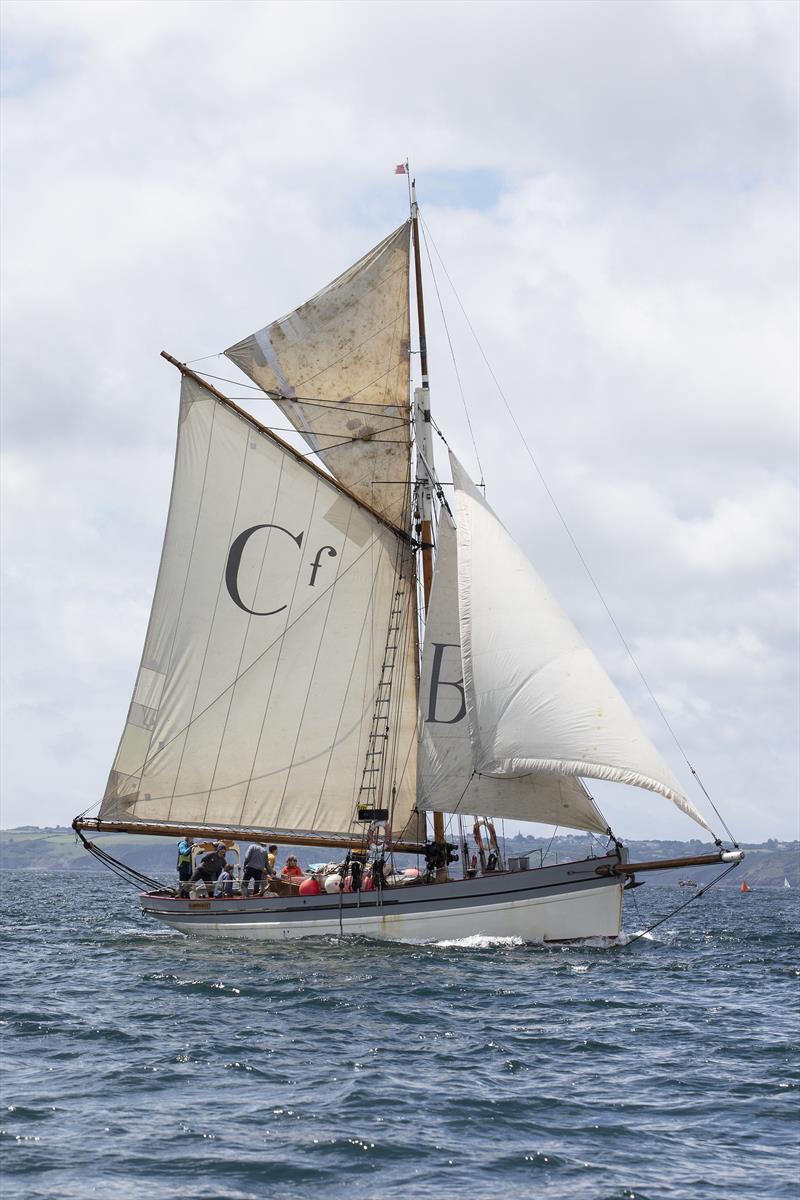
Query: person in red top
pixel 291 870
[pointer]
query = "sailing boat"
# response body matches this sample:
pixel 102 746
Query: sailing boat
pixel 786 883
pixel 282 698
pixel 745 888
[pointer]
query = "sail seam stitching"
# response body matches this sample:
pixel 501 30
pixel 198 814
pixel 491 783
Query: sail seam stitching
pixel 311 675
pixel 151 758
pixel 216 606
pixel 245 636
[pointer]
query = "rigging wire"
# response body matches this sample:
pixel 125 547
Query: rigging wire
pixel 701 892
pixel 127 874
pixel 367 408
pixel 205 358
pixel 453 355
pixel 550 843
pixel 223 379
pixel 576 547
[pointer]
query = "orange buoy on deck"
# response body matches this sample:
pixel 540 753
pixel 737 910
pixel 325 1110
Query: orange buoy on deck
pixel 310 887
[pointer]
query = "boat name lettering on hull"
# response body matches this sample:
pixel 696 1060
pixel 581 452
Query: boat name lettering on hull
pixel 235 561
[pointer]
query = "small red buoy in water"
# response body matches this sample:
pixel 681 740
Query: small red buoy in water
pixel 310 887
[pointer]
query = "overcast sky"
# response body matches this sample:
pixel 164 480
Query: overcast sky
pixel 613 190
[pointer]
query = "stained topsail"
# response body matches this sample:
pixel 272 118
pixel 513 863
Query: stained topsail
pixel 537 699
pixel 447 779
pixel 338 367
pixel 263 655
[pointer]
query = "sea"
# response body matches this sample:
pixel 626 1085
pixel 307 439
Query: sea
pixel 138 1063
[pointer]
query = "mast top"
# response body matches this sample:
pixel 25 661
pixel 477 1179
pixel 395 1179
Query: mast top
pixel 423 347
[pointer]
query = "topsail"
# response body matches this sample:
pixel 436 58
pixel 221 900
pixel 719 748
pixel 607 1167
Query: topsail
pixel 338 367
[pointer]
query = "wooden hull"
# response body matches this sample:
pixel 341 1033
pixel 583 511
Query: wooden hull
pixel 567 902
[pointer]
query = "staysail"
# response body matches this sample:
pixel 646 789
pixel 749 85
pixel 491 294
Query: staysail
pixel 537 699
pixel 447 780
pixel 264 652
pixel 338 367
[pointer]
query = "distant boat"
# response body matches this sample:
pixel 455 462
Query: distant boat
pixel 686 883
pixel 786 883
pixel 745 887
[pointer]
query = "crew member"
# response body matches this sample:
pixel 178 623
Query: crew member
pixel 209 867
pixel 184 865
pixel 224 884
pixel 255 862
pixel 291 870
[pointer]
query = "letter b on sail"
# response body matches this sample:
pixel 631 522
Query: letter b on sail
pixel 235 560
pixel 437 682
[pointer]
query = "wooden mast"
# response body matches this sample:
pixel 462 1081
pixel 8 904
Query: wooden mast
pixel 424 440
pixel 424 411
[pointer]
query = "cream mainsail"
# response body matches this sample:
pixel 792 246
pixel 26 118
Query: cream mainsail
pixel 338 367
pixel 263 657
pixel 537 699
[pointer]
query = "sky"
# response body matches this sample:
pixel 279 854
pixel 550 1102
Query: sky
pixel 611 188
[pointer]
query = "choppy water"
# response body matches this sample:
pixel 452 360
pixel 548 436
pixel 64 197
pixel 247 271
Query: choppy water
pixel 140 1063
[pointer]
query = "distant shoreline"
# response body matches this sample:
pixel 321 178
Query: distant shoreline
pixel 49 849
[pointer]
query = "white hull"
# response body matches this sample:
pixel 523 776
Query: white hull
pixel 543 905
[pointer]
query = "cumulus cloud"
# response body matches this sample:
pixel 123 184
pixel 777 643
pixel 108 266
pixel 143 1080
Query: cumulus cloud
pixel 613 189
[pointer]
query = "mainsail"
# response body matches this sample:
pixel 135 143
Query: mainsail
pixel 338 367
pixel 448 781
pixel 265 649
pixel 537 699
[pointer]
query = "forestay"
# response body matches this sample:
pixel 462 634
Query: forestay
pixel 257 685
pixel 447 779
pixel 338 367
pixel 537 699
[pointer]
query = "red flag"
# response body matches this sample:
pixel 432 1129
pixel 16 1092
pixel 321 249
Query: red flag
pixel 401 169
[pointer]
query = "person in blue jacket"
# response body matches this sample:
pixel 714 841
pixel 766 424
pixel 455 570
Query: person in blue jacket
pixel 184 865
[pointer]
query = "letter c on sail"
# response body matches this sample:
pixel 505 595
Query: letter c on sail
pixel 234 562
